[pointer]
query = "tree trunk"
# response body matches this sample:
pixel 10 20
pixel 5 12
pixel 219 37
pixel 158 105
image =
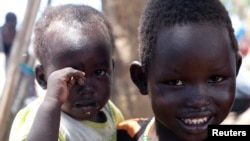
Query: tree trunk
pixel 124 17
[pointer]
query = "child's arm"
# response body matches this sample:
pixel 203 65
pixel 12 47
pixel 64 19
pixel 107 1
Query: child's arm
pixel 47 121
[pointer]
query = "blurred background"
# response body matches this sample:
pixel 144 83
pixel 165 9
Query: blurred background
pixel 17 85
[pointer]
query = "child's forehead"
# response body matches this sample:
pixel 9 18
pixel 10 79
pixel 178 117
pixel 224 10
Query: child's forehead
pixel 193 38
pixel 74 29
pixel 63 40
pixel 194 48
pixel 76 33
pixel 93 28
pixel 68 33
pixel 202 31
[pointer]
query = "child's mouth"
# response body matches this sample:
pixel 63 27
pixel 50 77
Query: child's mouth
pixel 86 105
pixel 195 121
pixel 195 125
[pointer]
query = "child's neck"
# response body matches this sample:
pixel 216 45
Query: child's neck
pixel 163 133
pixel 100 117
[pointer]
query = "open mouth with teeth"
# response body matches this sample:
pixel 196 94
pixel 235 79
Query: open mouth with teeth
pixel 195 125
pixel 195 121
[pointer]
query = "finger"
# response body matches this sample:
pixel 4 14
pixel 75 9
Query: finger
pixel 77 73
pixel 80 81
pixel 72 81
pixel 79 77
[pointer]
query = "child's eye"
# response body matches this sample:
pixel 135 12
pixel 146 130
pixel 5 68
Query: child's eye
pixel 175 82
pixel 215 79
pixel 100 73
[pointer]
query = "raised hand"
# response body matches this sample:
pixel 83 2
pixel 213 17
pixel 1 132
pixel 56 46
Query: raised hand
pixel 61 81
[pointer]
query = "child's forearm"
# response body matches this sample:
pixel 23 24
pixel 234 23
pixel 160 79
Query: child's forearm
pixel 47 122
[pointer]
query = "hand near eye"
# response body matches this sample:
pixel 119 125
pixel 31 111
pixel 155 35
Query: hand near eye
pixel 61 81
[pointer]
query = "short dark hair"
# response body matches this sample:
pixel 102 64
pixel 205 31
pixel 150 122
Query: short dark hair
pixel 167 13
pixel 10 17
pixel 68 14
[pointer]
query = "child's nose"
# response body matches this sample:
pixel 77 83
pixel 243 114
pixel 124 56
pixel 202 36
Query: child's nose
pixel 87 87
pixel 198 97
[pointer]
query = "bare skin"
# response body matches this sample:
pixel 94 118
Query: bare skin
pixel 190 80
pixel 78 78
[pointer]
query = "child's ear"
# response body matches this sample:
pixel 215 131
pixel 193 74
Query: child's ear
pixel 40 76
pixel 139 77
pixel 238 62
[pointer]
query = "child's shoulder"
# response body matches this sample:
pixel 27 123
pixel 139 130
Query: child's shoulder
pixel 132 129
pixel 116 113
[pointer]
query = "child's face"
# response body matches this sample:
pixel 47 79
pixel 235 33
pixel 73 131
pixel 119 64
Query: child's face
pixel 191 79
pixel 88 53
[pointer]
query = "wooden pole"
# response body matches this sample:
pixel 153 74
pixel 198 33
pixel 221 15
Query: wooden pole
pixel 20 45
pixel 26 84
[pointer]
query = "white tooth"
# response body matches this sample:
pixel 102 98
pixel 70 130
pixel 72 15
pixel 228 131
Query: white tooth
pixel 187 121
pixel 204 120
pixel 195 121
pixel 200 121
